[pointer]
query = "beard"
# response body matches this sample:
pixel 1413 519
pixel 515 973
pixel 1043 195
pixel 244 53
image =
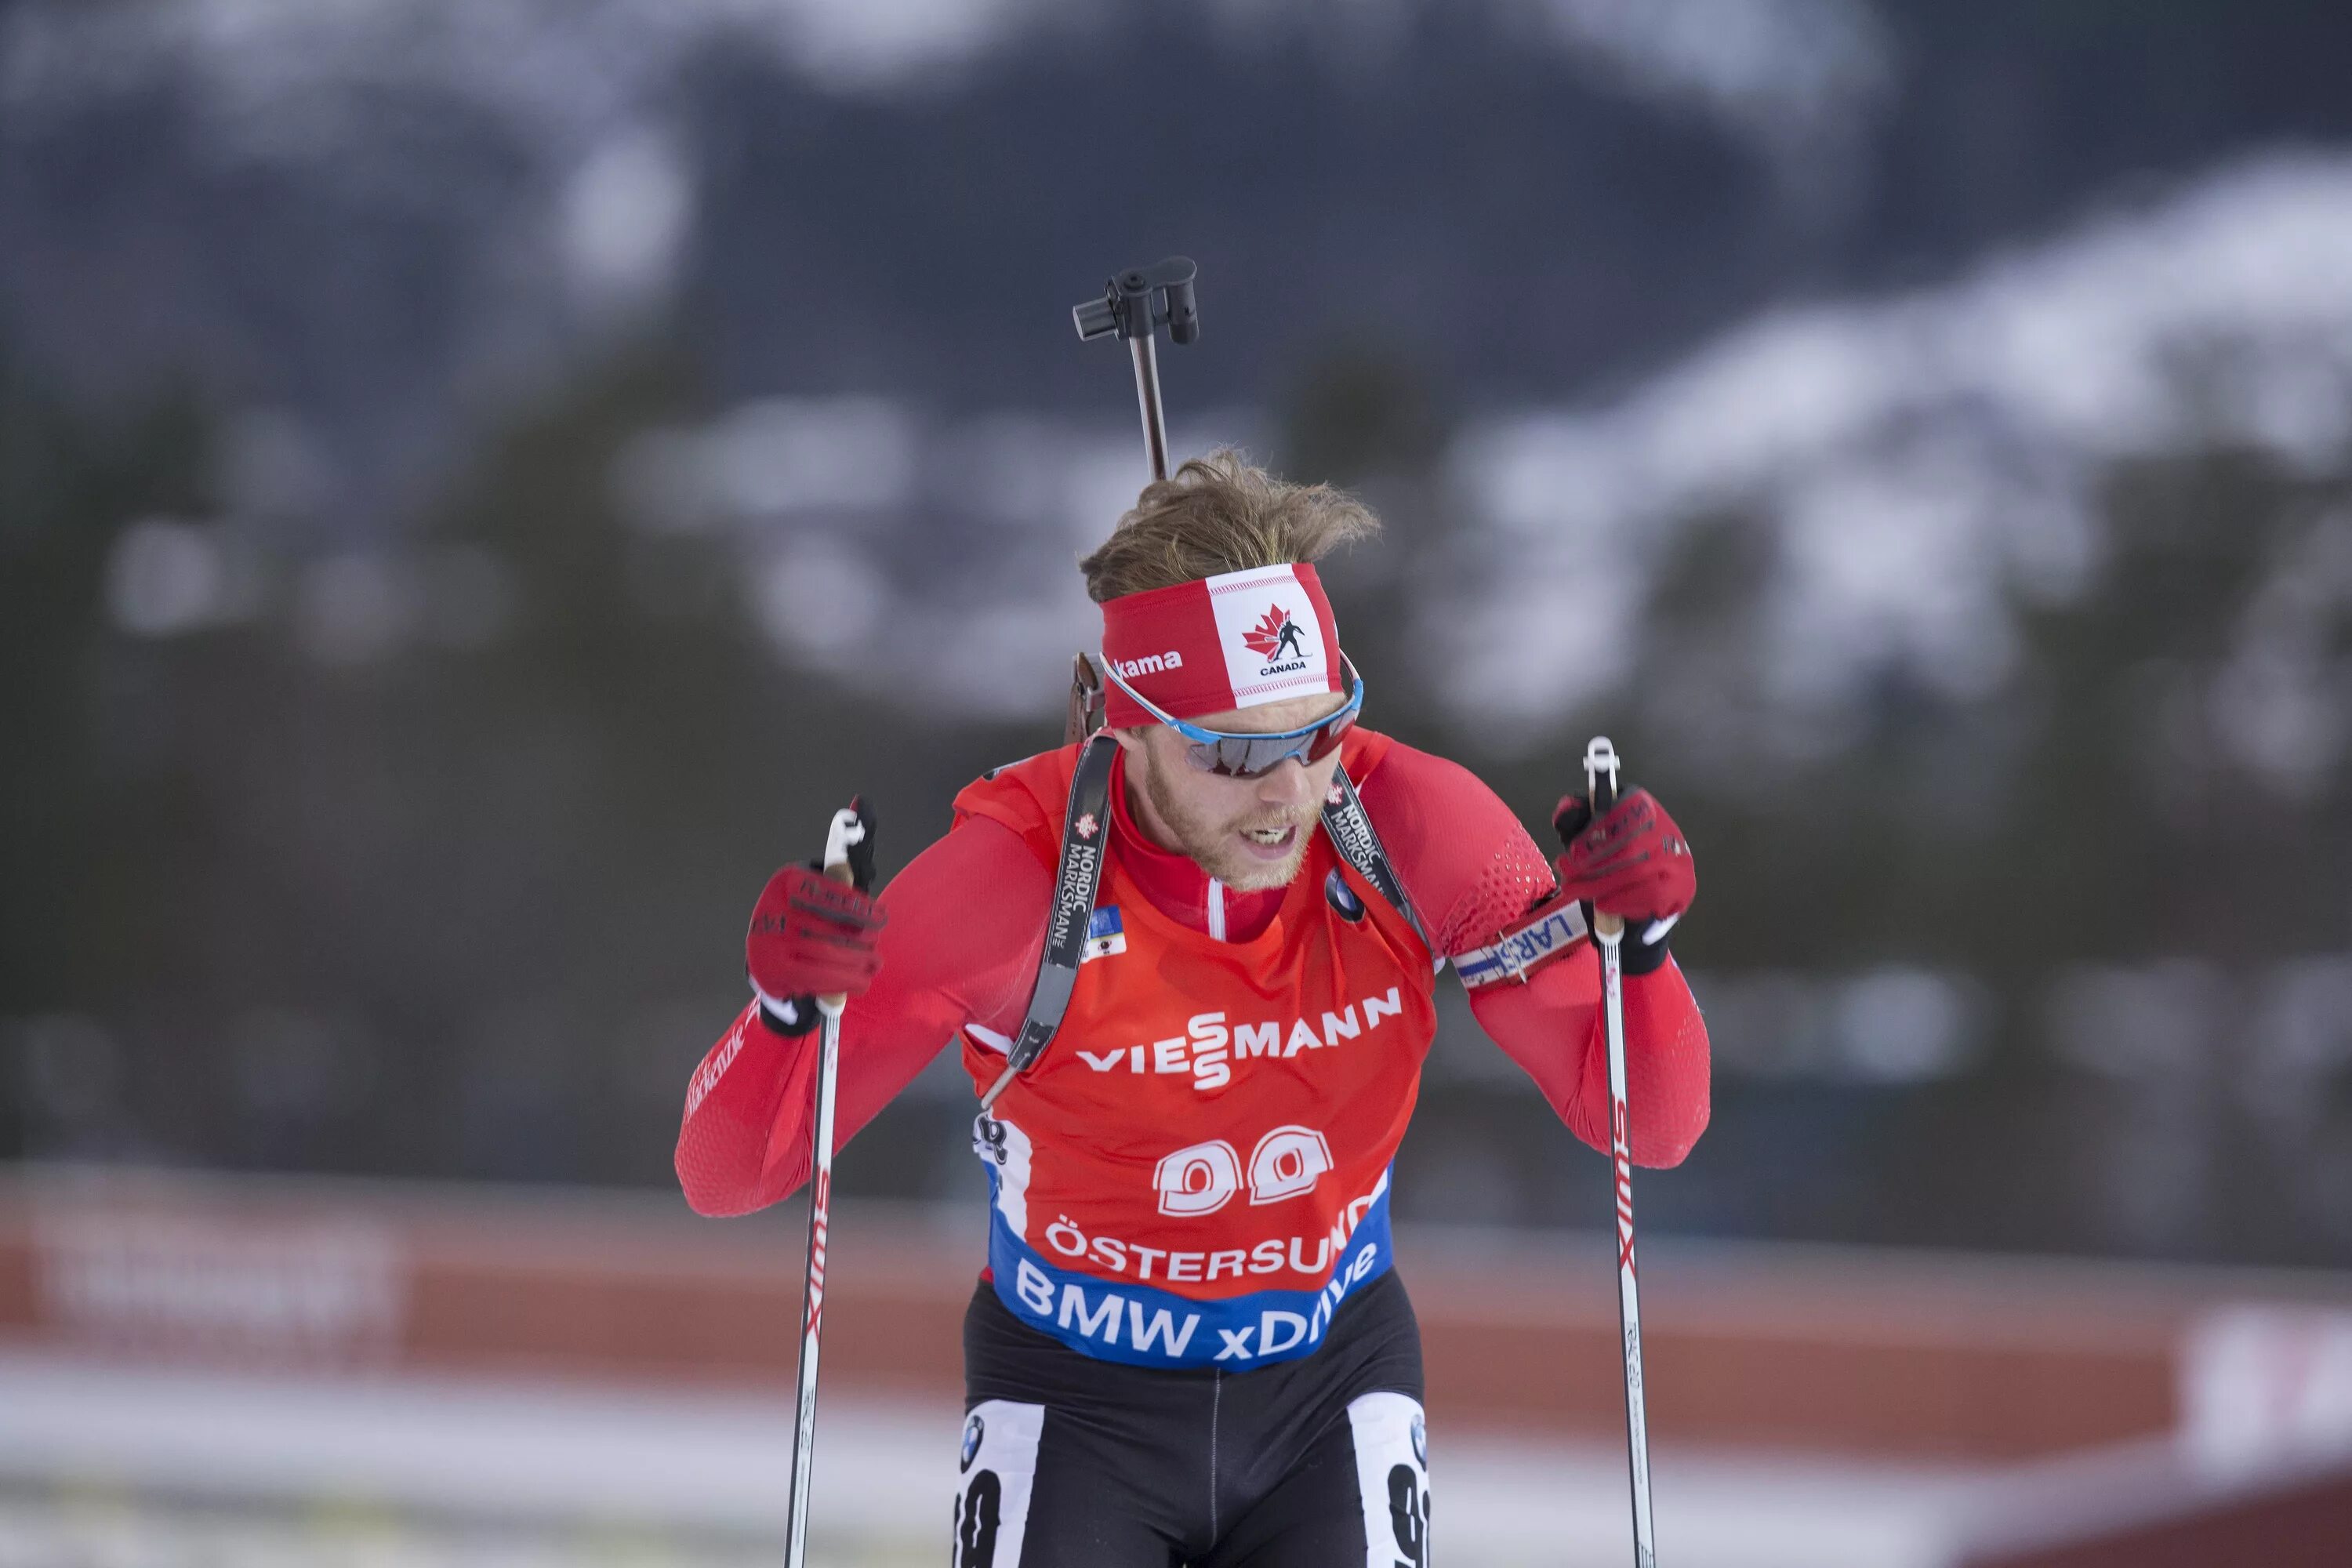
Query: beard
pixel 1211 844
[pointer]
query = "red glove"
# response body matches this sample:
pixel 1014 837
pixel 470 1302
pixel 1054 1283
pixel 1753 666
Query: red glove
pixel 1634 863
pixel 811 936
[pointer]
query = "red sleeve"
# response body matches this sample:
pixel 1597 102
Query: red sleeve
pixel 1472 871
pixel 967 928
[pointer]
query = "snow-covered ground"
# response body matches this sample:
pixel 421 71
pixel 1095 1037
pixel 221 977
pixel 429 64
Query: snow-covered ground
pixel 105 1465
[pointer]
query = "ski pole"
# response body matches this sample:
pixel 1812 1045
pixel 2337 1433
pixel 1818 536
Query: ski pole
pixel 1608 932
pixel 852 829
pixel 1136 304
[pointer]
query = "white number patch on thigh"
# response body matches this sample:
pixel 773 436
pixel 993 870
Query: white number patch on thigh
pixel 1392 1479
pixel 995 1470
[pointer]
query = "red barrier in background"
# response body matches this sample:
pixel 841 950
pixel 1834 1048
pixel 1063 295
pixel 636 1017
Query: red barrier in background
pixel 2156 1506
pixel 1756 1347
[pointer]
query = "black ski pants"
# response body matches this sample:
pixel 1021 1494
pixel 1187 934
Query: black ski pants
pixel 1072 1462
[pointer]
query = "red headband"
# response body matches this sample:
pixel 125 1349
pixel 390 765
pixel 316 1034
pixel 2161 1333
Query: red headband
pixel 1216 644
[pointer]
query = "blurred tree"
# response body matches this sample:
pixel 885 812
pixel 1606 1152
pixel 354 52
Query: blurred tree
pixel 2100 806
pixel 1368 419
pixel 95 821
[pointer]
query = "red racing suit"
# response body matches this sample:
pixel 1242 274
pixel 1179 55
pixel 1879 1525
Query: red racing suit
pixel 1196 1173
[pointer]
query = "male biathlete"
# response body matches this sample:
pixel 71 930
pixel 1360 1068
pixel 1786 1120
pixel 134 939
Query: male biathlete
pixel 1189 1345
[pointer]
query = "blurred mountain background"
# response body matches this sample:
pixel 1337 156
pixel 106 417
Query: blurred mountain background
pixel 477 484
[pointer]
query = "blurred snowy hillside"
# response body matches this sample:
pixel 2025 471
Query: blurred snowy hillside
pixel 476 482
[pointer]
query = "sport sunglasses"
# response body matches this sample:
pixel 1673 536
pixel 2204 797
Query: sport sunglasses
pixel 1253 756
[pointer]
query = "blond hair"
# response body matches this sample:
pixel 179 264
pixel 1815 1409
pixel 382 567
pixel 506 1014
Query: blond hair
pixel 1221 513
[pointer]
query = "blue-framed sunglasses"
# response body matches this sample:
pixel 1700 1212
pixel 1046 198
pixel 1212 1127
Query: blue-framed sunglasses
pixel 1253 756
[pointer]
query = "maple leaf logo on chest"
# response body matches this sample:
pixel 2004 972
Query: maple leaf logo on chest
pixel 1275 635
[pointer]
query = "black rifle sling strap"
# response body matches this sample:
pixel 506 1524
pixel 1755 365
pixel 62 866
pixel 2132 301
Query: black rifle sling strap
pixel 1351 827
pixel 1085 828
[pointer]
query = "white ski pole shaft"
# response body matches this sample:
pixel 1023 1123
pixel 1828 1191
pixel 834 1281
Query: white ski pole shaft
pixel 1609 934
pixel 846 831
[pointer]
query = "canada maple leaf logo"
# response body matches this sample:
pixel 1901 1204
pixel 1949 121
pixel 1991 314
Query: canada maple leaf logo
pixel 1275 633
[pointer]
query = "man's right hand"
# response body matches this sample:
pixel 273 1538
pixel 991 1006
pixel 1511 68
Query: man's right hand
pixel 810 937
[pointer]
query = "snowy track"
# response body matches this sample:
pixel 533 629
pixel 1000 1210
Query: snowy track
pixel 104 1464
